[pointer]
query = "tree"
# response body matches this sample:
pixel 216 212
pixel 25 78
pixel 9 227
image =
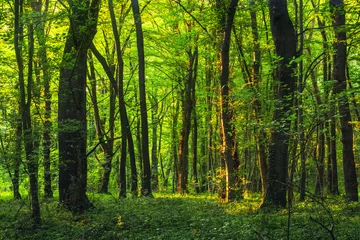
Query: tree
pixel 225 105
pixel 25 103
pixel 72 105
pixel 44 68
pixel 284 37
pixel 106 138
pixel 146 183
pixel 350 178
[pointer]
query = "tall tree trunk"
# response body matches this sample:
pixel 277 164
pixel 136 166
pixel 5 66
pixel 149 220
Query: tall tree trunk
pixel 225 104
pixel 154 153
pixel 332 179
pixel 209 127
pixel 125 126
pixel 194 143
pixel 350 178
pixel 25 103
pixel 146 187
pixel 285 44
pixel 72 106
pixel 255 83
pixel 17 161
pixel 106 141
pixel 45 68
pixel 187 110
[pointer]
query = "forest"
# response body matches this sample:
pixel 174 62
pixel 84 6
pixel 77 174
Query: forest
pixel 179 119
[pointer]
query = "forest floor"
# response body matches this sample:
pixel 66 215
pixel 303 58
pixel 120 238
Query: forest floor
pixel 171 216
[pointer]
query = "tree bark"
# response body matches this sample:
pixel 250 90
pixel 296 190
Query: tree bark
pixel 25 103
pixel 154 153
pixel 146 187
pixel 225 106
pixel 72 106
pixel 285 45
pixel 255 83
pixel 350 178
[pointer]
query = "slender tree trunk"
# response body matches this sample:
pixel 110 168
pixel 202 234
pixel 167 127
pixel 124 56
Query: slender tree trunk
pixel 45 68
pixel 17 161
pixel 225 108
pixel 187 110
pixel 195 155
pixel 350 178
pixel 208 119
pixel 285 44
pixel 25 103
pixel 300 112
pixel 332 179
pixel 174 139
pixel 106 141
pixel 146 187
pixel 255 83
pixel 154 153
pixel 125 126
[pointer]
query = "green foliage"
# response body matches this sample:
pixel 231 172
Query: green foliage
pixel 169 216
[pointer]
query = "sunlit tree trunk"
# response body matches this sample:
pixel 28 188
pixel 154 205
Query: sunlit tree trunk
pixel 225 105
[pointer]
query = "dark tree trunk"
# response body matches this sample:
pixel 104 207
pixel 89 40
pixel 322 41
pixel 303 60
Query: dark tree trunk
pixel 174 140
pixel 225 105
pixel 25 103
pixel 320 143
pixel 350 178
pixel 195 145
pixel 45 68
pixel 187 109
pixel 256 82
pixel 106 141
pixel 122 181
pixel 72 106
pixel 332 179
pixel 125 126
pixel 17 161
pixel 154 153
pixel 209 127
pixel 146 183
pixel 285 44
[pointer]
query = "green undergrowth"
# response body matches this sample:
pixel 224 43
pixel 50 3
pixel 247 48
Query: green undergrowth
pixel 171 216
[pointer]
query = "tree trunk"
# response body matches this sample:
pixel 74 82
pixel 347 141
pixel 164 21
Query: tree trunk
pixel 17 161
pixel 45 68
pixel 72 107
pixel 25 103
pixel 154 153
pixel 146 187
pixel 285 44
pixel 195 156
pixel 125 126
pixel 187 109
pixel 225 105
pixel 350 178
pixel 255 83
pixel 106 141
